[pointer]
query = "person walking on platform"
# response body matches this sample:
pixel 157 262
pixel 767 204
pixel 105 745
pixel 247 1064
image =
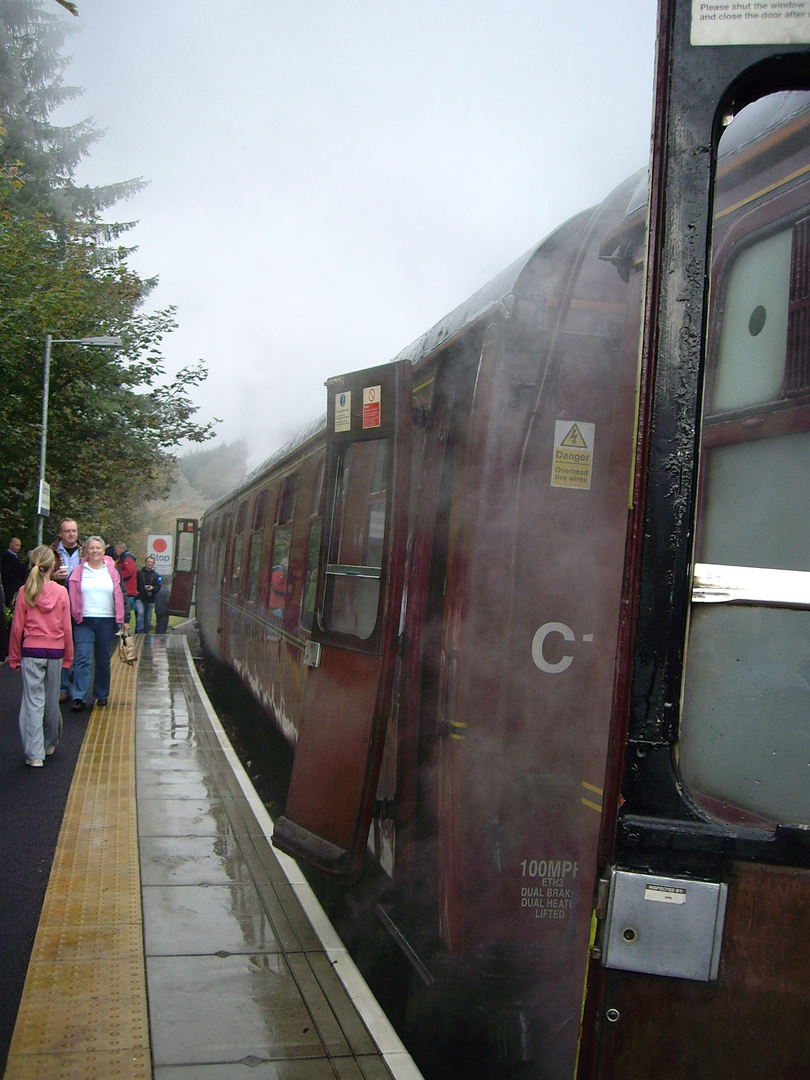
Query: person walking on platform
pixel 148 588
pixel 69 555
pixel 41 645
pixel 97 606
pixel 68 549
pixel 162 611
pixel 128 568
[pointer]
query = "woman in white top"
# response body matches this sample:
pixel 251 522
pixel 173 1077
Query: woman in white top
pixel 97 608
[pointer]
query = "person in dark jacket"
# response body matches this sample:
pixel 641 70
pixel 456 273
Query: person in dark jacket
pixel 148 588
pixel 162 612
pixel 14 571
pixel 3 627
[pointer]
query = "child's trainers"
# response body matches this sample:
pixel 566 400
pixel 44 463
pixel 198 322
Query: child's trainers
pixel 37 763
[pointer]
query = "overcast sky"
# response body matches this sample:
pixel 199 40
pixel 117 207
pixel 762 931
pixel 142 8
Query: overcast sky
pixel 328 178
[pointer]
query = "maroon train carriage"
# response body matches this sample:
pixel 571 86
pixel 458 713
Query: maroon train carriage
pixel 424 590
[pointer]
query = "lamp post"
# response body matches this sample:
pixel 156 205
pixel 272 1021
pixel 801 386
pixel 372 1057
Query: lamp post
pixel 103 342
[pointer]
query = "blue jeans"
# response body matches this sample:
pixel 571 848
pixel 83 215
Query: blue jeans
pixel 93 638
pixel 143 616
pixel 65 683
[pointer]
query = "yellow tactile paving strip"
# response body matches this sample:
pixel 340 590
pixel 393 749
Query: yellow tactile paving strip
pixel 83 1012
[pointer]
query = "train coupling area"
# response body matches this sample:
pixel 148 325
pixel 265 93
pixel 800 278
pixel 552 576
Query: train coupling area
pixel 174 942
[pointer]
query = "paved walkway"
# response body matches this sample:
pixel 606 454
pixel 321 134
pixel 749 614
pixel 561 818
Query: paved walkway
pixel 174 941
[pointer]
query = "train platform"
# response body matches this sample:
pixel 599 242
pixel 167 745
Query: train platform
pixel 174 942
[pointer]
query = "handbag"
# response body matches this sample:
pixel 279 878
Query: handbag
pixel 127 649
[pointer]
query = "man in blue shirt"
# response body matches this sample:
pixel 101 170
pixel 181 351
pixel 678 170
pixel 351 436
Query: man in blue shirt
pixel 68 549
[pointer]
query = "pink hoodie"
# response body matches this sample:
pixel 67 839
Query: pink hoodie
pixel 46 625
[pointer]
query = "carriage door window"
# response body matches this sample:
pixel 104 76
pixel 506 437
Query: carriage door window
pixel 745 733
pixel 355 555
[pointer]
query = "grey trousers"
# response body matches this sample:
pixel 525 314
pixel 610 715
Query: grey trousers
pixel 40 718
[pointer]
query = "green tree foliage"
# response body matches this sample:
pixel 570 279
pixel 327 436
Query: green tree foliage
pixel 113 417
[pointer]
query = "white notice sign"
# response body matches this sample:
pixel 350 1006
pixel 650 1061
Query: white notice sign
pixel 750 22
pixel 44 505
pixel 665 894
pixel 343 411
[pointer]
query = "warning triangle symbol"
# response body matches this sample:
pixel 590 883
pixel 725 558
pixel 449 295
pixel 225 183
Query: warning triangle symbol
pixel 574 438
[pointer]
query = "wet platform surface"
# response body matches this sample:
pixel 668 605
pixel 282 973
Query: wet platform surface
pixel 174 941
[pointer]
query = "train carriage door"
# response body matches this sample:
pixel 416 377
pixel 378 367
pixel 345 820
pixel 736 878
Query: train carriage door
pixel 185 566
pixel 700 969
pixel 356 621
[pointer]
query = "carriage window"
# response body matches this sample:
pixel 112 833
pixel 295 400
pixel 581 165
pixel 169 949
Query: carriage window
pixel 222 544
pixel 313 549
pixel 274 582
pixel 311 580
pixel 256 537
pixel 207 532
pixel 355 555
pixel 236 570
pixel 205 548
pixel 238 546
pixel 215 553
pixel 745 730
pixel 751 363
pixel 287 495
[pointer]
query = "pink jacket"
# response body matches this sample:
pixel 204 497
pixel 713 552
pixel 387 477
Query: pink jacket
pixel 46 625
pixel 75 590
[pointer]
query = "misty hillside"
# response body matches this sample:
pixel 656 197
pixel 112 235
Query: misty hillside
pixel 214 472
pixel 202 477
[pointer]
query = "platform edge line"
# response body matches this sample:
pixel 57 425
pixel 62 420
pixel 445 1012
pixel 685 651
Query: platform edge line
pixel 391 1048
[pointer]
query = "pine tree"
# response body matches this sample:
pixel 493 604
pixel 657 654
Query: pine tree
pixel 113 419
pixel 45 155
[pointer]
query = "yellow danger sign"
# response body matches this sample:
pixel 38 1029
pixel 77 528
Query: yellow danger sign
pixel 573 454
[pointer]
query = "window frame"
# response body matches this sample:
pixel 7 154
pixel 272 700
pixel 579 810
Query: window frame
pixel 783 415
pixel 355 572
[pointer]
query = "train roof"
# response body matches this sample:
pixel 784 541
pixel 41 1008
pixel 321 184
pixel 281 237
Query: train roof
pixel 494 299
pixel 284 451
pixel 751 126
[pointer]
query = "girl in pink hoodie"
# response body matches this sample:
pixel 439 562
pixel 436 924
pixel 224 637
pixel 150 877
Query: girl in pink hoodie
pixel 41 645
